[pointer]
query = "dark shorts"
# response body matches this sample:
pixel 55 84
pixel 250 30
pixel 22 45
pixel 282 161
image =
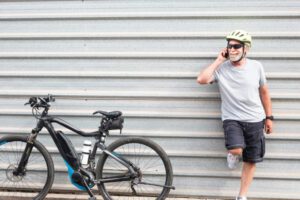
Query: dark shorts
pixel 248 136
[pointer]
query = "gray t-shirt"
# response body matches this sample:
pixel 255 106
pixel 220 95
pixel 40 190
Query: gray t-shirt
pixel 239 89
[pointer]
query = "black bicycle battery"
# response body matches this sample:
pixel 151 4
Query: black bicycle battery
pixel 69 153
pixel 72 161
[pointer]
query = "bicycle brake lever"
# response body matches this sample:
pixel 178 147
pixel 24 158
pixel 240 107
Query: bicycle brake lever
pixel 32 101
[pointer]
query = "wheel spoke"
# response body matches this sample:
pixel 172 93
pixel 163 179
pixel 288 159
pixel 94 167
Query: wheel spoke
pixel 35 176
pixel 154 168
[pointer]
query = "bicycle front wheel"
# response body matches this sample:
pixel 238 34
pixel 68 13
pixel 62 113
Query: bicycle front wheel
pixel 154 170
pixel 35 180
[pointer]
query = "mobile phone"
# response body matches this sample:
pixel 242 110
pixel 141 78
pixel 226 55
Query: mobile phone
pixel 226 54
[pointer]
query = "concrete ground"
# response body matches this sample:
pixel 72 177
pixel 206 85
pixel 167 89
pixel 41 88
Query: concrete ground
pixel 84 197
pixel 53 196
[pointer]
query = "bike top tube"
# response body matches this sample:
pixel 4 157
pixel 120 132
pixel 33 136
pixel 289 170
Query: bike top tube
pixel 70 127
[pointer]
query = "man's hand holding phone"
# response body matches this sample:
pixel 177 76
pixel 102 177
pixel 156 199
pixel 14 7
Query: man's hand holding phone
pixel 223 55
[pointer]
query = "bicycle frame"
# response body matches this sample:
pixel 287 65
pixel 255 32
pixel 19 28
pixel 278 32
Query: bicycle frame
pixel 99 144
pixel 47 121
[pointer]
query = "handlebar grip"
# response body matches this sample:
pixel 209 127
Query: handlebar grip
pixel 40 101
pixel 32 101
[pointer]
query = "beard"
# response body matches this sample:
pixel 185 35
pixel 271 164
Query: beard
pixel 235 58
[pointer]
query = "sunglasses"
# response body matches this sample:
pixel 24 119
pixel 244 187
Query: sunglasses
pixel 235 46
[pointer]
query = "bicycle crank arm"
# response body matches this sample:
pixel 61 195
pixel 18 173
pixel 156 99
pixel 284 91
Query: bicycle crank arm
pixel 158 185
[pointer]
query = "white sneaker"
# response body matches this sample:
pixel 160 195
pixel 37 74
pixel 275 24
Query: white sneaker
pixel 233 161
pixel 241 198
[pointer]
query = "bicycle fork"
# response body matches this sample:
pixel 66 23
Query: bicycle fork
pixel 20 170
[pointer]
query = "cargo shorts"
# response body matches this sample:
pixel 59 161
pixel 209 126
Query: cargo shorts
pixel 246 135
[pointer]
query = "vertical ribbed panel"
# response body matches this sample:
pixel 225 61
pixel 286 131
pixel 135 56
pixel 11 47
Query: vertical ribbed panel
pixel 143 57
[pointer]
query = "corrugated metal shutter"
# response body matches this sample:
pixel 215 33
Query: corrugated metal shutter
pixel 142 57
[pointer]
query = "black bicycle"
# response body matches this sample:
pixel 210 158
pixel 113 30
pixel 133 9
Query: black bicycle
pixel 130 166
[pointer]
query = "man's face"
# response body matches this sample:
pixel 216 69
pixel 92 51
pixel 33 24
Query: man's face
pixel 235 50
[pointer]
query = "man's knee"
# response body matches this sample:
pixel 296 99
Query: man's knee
pixel 238 151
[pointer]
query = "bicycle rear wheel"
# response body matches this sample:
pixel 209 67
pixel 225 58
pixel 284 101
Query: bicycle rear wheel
pixel 37 178
pixel 154 168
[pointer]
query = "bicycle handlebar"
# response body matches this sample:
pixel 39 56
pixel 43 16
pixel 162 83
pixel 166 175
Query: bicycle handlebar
pixel 40 101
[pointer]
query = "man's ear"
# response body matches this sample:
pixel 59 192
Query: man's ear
pixel 246 50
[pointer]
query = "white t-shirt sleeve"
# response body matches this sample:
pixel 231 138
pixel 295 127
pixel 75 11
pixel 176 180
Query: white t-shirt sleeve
pixel 216 74
pixel 262 79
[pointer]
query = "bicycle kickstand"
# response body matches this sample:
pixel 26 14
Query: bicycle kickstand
pixel 78 177
pixel 92 196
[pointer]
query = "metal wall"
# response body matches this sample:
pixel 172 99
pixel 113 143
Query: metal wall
pixel 143 57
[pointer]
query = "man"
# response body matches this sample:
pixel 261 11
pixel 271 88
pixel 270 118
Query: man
pixel 246 104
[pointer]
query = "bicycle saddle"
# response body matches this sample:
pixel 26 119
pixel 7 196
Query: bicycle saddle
pixel 112 114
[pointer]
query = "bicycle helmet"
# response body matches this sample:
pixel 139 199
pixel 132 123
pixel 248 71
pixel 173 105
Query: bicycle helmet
pixel 240 35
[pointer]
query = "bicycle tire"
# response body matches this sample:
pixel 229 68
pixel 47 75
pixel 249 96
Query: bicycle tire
pixel 32 184
pixel 157 166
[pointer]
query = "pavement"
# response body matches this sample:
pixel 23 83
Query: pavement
pixel 84 197
pixel 64 196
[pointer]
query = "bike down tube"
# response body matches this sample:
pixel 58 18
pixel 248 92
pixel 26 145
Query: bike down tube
pixel 52 132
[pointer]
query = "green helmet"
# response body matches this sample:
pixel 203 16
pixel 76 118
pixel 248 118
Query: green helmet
pixel 241 36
